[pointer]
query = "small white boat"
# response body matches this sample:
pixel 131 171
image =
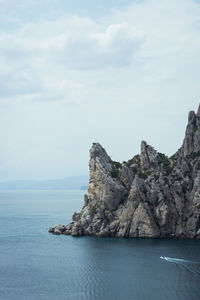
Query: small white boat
pixel 164 257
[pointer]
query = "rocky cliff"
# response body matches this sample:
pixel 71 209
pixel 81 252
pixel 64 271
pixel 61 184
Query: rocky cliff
pixel 149 196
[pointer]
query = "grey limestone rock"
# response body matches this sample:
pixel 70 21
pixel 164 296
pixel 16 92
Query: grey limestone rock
pixel 149 196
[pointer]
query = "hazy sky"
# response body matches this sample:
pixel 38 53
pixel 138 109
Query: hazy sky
pixel 81 71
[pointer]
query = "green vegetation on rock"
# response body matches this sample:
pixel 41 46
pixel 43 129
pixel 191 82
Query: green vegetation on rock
pixel 116 166
pixel 165 161
pixel 133 161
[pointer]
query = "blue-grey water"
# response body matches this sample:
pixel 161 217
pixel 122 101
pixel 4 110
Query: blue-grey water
pixel 36 265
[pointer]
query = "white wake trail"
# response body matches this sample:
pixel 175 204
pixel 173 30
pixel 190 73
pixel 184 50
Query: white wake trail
pixel 183 262
pixel 175 260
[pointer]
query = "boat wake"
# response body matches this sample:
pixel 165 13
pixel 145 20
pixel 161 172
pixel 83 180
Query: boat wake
pixel 187 264
pixel 171 259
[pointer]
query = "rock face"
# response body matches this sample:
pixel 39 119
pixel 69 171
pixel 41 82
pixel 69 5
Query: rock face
pixel 149 196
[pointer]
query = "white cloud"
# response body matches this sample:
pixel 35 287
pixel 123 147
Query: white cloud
pixel 119 42
pixel 29 54
pixel 77 42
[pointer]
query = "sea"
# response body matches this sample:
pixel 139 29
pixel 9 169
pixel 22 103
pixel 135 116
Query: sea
pixel 36 265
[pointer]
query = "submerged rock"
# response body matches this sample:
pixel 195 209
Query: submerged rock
pixel 149 196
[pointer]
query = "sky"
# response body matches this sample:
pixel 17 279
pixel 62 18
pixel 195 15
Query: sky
pixel 110 71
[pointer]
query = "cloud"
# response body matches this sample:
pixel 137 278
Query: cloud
pixel 28 54
pixel 115 47
pixel 77 42
pixel 119 43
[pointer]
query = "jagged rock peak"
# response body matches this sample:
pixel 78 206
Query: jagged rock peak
pixel 99 159
pixel 103 187
pixel 148 196
pixel 149 156
pixel 191 141
pixel 97 148
pixel 198 111
pixel 98 151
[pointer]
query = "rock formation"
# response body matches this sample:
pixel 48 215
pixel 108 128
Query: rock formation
pixel 149 196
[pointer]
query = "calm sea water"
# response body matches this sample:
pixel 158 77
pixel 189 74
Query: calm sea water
pixel 36 265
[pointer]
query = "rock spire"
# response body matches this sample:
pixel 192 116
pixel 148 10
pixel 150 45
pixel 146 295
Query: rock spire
pixel 149 196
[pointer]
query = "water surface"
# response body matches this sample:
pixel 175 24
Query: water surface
pixel 36 265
